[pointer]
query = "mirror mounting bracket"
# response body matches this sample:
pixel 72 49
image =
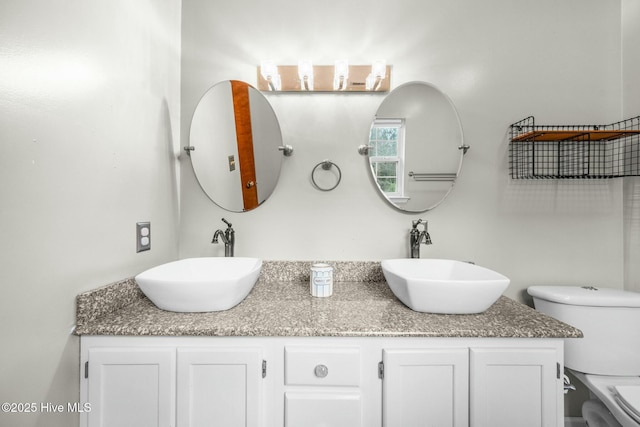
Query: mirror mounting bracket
pixel 287 150
pixel 464 148
pixel 364 149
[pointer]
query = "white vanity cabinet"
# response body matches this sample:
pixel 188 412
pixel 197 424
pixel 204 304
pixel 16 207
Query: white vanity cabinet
pixel 321 381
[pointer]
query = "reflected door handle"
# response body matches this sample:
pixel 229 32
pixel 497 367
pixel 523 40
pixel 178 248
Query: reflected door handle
pixel 250 184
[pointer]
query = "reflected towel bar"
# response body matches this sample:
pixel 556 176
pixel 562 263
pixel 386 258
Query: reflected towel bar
pixel 433 176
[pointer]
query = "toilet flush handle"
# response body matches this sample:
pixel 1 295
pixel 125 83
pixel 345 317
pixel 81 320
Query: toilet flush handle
pixel 568 386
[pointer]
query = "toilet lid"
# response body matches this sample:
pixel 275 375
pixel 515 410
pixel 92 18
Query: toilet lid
pixel 586 295
pixel 628 397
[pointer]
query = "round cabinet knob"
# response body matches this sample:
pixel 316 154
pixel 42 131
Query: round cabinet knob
pixel 321 371
pixel 250 184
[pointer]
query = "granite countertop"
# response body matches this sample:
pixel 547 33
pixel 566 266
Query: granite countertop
pixel 280 304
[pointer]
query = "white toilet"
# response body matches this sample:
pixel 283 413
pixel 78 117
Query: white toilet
pixel 607 359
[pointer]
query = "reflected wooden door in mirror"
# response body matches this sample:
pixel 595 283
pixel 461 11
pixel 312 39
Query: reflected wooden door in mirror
pixel 242 113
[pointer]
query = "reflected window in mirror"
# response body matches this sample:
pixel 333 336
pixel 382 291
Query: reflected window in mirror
pixel 386 156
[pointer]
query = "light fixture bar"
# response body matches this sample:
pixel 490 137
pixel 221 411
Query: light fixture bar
pixel 320 78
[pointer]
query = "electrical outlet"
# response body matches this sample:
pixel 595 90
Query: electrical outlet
pixel 143 236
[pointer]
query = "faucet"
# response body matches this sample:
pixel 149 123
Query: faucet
pixel 228 238
pixel 416 237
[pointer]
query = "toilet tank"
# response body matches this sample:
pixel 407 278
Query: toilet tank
pixel 609 320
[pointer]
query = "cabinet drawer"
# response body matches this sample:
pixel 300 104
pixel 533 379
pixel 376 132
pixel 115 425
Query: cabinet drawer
pixel 342 409
pixel 322 366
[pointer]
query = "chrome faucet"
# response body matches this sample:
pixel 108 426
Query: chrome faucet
pixel 416 237
pixel 228 238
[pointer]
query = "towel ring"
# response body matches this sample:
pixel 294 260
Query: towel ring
pixel 326 165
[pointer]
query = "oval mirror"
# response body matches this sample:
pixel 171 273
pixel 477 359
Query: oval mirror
pixel 416 147
pixel 233 145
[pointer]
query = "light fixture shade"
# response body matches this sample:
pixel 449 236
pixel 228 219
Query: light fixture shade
pixel 305 74
pixel 268 69
pixel 340 74
pixel 305 69
pixel 342 68
pixel 377 75
pixel 370 82
pixel 379 69
pixel 276 83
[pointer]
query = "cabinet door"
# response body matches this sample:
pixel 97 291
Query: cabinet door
pixel 514 388
pixel 426 387
pixel 131 387
pixel 219 387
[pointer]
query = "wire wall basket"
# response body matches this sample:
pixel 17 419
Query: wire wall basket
pixel 574 151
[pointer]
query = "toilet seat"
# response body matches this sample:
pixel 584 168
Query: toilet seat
pixel 596 414
pixel 604 388
pixel 628 397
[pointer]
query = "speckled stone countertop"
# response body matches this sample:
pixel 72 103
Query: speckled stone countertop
pixel 280 305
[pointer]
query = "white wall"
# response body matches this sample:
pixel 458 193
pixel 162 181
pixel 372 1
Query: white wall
pixel 498 60
pixel 631 108
pixel 89 123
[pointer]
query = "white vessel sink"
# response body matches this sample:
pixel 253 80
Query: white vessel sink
pixel 200 284
pixel 443 286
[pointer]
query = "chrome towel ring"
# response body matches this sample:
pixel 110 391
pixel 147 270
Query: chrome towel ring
pixel 325 165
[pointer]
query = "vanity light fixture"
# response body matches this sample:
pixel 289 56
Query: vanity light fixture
pixel 340 77
pixel 269 72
